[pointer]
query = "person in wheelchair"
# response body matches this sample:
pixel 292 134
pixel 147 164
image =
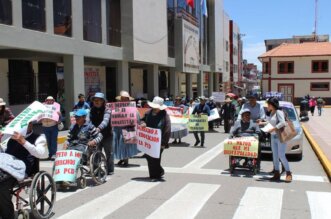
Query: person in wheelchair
pixel 82 135
pixel 245 127
pixel 19 149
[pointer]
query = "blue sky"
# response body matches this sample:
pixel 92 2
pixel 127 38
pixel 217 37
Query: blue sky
pixel 270 19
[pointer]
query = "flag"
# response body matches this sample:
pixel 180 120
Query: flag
pixel 204 7
pixel 190 3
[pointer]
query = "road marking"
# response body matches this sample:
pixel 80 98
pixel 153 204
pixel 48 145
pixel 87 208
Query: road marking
pixel 119 197
pixel 186 203
pixel 205 158
pixel 260 203
pixel 319 203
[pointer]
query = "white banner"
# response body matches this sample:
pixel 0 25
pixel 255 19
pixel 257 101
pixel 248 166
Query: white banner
pixel 20 123
pixel 213 115
pixel 149 141
pixel 218 97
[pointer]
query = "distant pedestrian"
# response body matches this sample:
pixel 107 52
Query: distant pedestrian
pixel 81 104
pixel 6 116
pixel 228 112
pixel 212 105
pixel 201 109
pixel 183 132
pixel 304 106
pixel 320 105
pixel 312 105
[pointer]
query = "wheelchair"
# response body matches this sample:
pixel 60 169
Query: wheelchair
pixel 94 166
pixel 41 191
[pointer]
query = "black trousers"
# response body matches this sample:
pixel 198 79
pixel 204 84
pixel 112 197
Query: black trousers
pixel 197 136
pixel 227 125
pixel 6 205
pixel 106 144
pixel 154 166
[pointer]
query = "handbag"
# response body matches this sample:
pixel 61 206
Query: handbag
pixel 287 132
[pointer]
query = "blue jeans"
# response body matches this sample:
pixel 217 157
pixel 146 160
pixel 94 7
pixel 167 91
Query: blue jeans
pixel 319 111
pixel 51 134
pixel 278 152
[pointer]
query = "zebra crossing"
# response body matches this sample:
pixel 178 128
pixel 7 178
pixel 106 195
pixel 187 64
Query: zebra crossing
pixel 190 199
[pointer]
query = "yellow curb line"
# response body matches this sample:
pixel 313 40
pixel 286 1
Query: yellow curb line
pixel 318 151
pixel 61 140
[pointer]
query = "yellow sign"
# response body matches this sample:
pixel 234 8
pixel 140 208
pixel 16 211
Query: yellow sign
pixel 198 123
pixel 242 147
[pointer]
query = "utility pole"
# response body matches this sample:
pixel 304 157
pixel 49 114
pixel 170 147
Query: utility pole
pixel 316 21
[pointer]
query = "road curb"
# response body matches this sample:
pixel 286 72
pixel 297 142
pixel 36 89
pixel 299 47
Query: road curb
pixel 318 151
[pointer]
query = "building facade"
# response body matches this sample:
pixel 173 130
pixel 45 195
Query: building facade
pixel 298 70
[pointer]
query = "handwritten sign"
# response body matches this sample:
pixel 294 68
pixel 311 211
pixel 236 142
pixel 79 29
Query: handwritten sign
pixel 149 141
pixel 51 112
pixel 213 115
pixel 123 113
pixel 198 123
pixel 242 147
pixel 20 123
pixel 66 165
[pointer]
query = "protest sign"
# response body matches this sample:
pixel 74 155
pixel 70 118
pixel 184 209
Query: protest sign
pixel 175 111
pixel 218 97
pixel 242 147
pixel 20 123
pixel 66 165
pixel 123 113
pixel 149 141
pixel 51 112
pixel 198 123
pixel 213 115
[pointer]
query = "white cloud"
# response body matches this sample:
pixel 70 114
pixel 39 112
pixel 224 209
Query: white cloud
pixel 252 51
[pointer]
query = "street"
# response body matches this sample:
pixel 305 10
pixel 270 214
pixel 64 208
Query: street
pixel 198 185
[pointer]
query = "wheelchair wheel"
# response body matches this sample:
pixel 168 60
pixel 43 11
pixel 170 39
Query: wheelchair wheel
pixel 98 167
pixel 81 182
pixel 42 195
pixel 23 214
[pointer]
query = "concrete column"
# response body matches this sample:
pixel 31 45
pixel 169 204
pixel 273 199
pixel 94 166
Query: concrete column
pixel 216 82
pixel 49 17
pixel 4 83
pixel 77 19
pixel 74 82
pixel 189 90
pixel 104 21
pixel 122 76
pixel 210 83
pixel 35 67
pixel 17 13
pixel 173 82
pixel 152 81
pixel 200 83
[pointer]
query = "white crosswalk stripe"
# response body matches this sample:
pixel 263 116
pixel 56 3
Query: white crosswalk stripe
pixel 118 197
pixel 186 203
pixel 319 203
pixel 260 203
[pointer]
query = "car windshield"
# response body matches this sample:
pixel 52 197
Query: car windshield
pixel 290 113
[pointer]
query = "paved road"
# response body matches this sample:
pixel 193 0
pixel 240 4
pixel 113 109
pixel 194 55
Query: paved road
pixel 198 185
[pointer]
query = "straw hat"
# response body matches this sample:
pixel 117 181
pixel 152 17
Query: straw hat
pixel 158 103
pixel 2 103
pixel 124 94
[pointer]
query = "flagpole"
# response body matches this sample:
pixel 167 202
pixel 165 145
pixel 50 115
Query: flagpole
pixel 201 47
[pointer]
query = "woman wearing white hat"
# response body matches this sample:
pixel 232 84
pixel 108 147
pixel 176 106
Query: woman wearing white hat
pixel 123 151
pixel 159 119
pixel 6 116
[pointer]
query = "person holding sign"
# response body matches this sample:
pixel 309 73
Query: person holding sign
pixel 180 133
pixel 26 149
pixel 82 135
pixel 50 125
pixel 228 111
pixel 122 134
pixel 201 109
pixel 159 119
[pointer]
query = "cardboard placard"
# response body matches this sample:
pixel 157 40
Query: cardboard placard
pixel 123 114
pixel 66 165
pixel 198 123
pixel 242 147
pixel 149 141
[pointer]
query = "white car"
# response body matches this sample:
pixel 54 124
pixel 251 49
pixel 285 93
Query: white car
pixel 294 146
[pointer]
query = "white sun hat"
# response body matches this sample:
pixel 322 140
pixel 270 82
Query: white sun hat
pixel 124 94
pixel 158 103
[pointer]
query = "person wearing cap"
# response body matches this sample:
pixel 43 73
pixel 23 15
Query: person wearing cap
pixel 123 151
pixel 200 109
pixel 256 109
pixel 6 116
pixel 51 131
pixel 81 104
pixel 181 133
pixel 82 134
pixel 228 111
pixel 27 149
pixel 277 120
pixel 157 118
pixel 244 127
pixel 100 118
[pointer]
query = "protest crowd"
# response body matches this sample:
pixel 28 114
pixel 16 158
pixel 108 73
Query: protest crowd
pixel 127 127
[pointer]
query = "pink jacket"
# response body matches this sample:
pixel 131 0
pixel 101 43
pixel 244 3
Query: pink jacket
pixel 312 103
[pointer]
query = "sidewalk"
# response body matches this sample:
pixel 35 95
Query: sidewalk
pixel 318 132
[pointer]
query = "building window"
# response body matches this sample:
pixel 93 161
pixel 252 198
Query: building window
pixel 62 17
pixel 235 51
pixel 320 66
pixel 319 86
pixel 226 45
pixel 47 80
pixel 6 12
pixel 33 14
pixel 265 67
pixel 114 22
pixel 21 82
pixel 285 67
pixel 227 66
pixel 92 20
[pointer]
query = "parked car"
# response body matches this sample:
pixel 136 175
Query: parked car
pixel 295 145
